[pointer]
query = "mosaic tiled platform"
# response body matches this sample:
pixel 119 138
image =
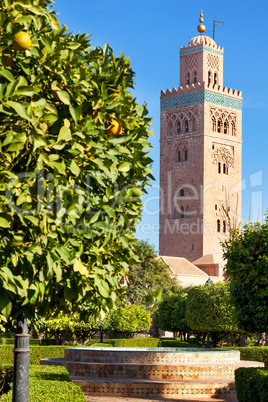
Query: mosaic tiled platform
pixel 156 373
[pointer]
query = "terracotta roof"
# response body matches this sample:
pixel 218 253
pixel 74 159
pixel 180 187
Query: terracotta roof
pixel 206 259
pixel 181 266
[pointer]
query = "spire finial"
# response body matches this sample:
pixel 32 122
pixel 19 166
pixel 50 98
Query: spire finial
pixel 201 28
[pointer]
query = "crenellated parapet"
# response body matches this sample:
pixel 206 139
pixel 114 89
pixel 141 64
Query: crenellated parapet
pixel 201 92
pixel 201 87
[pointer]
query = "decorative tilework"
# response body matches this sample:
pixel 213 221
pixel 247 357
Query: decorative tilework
pixel 199 49
pixel 200 97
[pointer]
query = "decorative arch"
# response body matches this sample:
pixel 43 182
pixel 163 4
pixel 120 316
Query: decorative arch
pixel 195 77
pixel 215 78
pixel 170 128
pixel 194 124
pixel 222 154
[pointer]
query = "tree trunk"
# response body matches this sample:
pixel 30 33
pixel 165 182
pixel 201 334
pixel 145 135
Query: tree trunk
pixel 243 340
pixel 262 339
pixel 21 361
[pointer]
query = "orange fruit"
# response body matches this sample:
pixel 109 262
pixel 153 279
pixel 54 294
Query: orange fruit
pixel 22 41
pixel 116 127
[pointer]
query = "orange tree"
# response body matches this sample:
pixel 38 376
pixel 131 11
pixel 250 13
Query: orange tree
pixel 73 165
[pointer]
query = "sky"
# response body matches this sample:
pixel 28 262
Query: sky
pixel 150 33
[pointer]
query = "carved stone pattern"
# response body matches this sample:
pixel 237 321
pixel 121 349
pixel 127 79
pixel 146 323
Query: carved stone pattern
pixel 174 118
pixel 213 62
pixel 224 116
pixel 223 154
pixel 191 62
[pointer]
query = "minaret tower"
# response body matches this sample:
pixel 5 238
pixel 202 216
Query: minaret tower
pixel 200 155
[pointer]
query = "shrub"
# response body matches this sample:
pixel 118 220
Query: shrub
pixel 251 384
pixel 50 384
pixel 130 319
pixel 6 376
pixel 253 353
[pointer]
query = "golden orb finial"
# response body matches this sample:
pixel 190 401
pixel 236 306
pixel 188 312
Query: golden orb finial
pixel 201 28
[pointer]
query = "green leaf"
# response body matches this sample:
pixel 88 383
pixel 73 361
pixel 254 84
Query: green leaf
pixel 5 305
pixel 74 168
pixel 4 223
pixel 75 112
pixel 124 167
pixel 19 108
pixel 65 134
pixel 64 97
pixel 7 74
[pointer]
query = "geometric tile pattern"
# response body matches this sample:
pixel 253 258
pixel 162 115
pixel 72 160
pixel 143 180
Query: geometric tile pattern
pixel 199 49
pixel 164 373
pixel 200 97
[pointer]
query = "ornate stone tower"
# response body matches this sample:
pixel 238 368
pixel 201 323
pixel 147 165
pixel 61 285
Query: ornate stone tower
pixel 200 155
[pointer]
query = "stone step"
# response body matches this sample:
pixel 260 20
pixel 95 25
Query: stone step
pixel 156 371
pixel 162 389
pixel 133 399
pixel 152 355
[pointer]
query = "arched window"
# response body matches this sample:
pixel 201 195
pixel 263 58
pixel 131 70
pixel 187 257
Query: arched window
pixel 186 126
pixel 182 193
pixel 185 155
pixel 219 167
pixel 219 126
pixel 215 78
pixel 179 127
pixel 224 227
pixel 225 127
pixel 179 156
pixel 195 77
pixel 218 225
pixel 209 77
pixel 188 79
pixel 182 212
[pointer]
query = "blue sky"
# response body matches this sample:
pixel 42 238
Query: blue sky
pixel 150 33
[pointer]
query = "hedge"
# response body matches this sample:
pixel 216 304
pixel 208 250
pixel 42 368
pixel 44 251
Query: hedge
pixel 50 384
pixel 251 384
pixel 253 353
pixel 37 353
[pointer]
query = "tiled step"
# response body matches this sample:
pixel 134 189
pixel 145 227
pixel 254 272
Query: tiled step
pixel 163 389
pixel 158 399
pixel 152 355
pixel 155 371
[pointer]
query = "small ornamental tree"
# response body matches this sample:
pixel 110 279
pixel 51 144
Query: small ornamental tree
pixel 170 314
pixel 208 309
pixel 73 165
pixel 247 271
pixel 130 320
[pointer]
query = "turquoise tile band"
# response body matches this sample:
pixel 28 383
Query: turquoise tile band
pixel 200 97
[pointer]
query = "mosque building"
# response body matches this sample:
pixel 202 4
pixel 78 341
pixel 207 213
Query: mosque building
pixel 200 162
